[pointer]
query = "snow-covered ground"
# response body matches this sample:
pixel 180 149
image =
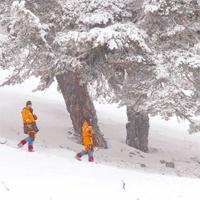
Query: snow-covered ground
pixel 52 173
pixel 51 177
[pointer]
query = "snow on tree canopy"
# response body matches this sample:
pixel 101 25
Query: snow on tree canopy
pixel 19 15
pixel 147 52
pixel 97 13
pixel 115 36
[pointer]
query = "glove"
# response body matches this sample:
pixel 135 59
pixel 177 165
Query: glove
pixel 35 117
pixel 31 110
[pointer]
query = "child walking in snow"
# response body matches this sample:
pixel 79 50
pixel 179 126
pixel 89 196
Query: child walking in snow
pixel 87 138
pixel 30 127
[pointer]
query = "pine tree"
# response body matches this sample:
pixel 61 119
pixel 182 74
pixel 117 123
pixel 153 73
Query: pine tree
pixel 173 30
pixel 141 54
pixel 166 82
pixel 70 41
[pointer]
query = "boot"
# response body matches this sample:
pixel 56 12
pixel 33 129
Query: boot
pixel 91 159
pixel 22 143
pixel 30 148
pixel 78 156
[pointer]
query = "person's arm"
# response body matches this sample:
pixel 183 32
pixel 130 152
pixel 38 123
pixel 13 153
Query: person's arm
pixel 35 116
pixel 25 116
pixel 91 135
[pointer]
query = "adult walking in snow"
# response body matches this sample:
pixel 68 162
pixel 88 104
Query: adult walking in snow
pixel 87 138
pixel 30 127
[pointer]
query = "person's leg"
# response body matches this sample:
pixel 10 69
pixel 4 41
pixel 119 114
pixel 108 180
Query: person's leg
pixel 22 143
pixel 30 144
pixel 30 141
pixel 81 154
pixel 90 156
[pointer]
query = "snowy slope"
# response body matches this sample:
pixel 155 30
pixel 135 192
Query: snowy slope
pixel 53 173
pixel 48 177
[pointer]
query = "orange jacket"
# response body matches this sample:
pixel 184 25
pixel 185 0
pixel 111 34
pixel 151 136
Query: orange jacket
pixel 27 115
pixel 87 134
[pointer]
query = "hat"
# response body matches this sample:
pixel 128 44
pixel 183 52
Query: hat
pixel 28 103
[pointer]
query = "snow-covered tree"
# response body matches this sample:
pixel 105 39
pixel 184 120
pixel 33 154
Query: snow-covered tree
pixel 5 11
pixel 69 41
pixel 111 46
pixel 166 83
pixel 174 33
pixel 142 54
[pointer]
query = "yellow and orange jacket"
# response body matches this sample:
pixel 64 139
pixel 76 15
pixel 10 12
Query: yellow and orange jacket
pixel 87 134
pixel 28 116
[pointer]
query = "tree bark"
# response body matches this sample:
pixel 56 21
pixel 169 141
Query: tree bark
pixel 79 105
pixel 137 129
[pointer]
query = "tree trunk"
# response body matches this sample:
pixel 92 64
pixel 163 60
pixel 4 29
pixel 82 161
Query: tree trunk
pixel 137 129
pixel 79 105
